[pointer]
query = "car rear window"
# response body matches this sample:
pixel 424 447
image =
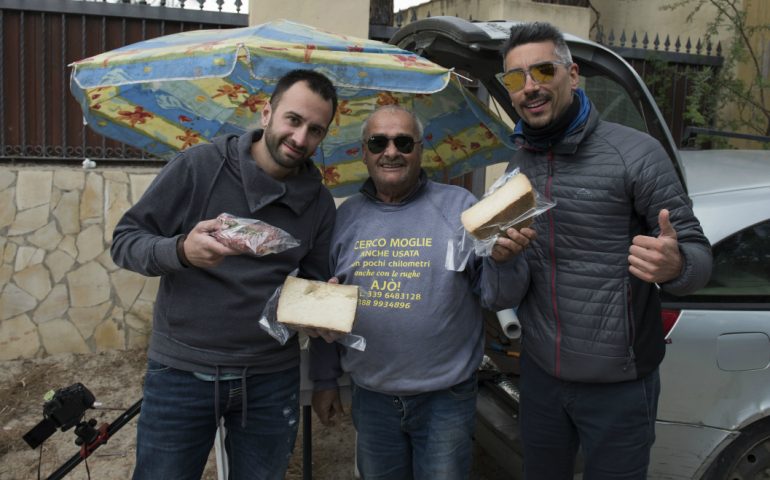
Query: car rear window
pixel 741 270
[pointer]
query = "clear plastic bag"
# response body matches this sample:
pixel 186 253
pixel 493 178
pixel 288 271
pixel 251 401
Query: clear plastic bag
pixel 268 321
pixel 458 250
pixel 483 247
pixel 251 236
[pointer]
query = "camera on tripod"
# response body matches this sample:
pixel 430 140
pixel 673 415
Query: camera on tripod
pixel 64 409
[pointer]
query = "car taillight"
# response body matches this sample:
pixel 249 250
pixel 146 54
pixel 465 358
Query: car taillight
pixel 669 317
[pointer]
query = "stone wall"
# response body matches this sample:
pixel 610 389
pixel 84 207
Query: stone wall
pixel 59 289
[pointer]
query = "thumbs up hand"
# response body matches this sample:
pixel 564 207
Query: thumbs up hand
pixel 656 259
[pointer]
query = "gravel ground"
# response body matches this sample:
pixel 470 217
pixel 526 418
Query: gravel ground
pixel 115 379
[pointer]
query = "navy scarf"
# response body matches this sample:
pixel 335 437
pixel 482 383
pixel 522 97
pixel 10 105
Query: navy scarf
pixel 546 137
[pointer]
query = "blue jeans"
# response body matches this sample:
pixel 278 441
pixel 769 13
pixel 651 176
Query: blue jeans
pixel 427 436
pixel 612 423
pixel 177 424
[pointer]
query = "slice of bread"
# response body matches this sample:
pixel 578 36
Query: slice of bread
pixel 309 303
pixel 502 206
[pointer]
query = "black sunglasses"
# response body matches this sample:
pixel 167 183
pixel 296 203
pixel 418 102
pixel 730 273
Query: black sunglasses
pixel 378 143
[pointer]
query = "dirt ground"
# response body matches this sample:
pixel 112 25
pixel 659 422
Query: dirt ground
pixel 115 379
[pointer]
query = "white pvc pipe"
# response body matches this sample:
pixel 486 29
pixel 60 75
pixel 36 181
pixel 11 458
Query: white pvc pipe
pixel 509 323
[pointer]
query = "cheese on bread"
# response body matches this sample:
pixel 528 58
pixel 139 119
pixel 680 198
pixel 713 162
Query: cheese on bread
pixel 309 303
pixel 502 206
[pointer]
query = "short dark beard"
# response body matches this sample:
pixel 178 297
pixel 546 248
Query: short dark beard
pixel 549 135
pixel 273 143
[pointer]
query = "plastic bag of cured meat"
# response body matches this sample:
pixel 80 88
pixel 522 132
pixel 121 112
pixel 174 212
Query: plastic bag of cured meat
pixel 251 236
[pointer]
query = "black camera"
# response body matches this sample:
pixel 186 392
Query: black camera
pixel 64 409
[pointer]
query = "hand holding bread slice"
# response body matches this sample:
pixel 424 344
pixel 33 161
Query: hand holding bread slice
pixel 501 207
pixel 313 304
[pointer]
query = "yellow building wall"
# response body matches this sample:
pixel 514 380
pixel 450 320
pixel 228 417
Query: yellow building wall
pixel 757 14
pixel 575 20
pixel 346 17
pixel 642 16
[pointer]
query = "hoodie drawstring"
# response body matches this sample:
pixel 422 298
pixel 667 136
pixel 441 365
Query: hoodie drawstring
pixel 244 397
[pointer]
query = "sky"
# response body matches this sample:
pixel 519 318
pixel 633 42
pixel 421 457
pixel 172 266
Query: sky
pixel 402 4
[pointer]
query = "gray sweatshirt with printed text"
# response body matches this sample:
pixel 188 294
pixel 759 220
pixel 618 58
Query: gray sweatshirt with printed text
pixel 423 323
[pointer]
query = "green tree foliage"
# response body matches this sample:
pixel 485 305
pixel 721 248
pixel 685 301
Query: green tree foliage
pixel 711 93
pixel 659 76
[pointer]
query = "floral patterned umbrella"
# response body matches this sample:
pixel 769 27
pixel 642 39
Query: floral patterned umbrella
pixel 168 93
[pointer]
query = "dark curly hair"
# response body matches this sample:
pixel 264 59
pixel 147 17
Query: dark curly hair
pixel 317 82
pixel 534 32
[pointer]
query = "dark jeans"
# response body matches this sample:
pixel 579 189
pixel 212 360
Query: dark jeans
pixel 177 426
pixel 612 423
pixel 427 436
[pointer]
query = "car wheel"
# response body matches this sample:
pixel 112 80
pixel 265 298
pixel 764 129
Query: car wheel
pixel 747 458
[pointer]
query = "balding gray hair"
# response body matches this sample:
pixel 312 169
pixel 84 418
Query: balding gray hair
pixel 391 109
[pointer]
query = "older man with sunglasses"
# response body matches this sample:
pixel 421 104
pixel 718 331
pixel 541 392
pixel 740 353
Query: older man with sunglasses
pixel 590 312
pixel 414 388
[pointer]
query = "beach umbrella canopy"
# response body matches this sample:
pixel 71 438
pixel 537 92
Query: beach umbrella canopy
pixel 168 93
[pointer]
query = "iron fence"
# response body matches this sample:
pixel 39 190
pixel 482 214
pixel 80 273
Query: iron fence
pixel 39 119
pixel 668 67
pixel 220 5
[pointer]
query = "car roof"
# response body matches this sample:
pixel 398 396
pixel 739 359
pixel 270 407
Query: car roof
pixel 716 171
pixel 730 189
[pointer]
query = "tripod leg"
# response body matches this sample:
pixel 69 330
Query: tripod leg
pixel 116 425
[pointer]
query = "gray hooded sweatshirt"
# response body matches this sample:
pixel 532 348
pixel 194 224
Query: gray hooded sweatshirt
pixel 206 319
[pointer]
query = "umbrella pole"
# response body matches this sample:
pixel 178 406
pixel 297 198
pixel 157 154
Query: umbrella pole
pixel 307 443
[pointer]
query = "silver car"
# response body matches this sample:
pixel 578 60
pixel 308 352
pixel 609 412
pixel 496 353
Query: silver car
pixel 714 410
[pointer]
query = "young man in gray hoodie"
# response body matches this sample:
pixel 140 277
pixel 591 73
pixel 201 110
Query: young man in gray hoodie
pixel 208 358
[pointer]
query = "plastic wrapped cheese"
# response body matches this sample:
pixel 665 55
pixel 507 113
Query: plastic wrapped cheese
pixel 309 303
pixel 501 209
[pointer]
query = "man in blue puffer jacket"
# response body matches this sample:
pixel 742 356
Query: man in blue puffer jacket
pixel 590 310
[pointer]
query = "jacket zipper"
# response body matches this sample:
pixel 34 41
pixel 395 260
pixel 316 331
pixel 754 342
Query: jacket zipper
pixel 630 330
pixel 552 257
